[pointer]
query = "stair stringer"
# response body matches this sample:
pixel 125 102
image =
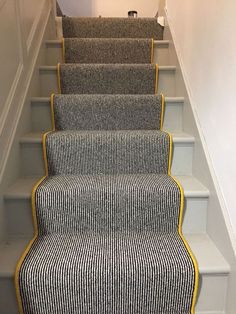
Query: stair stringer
pixel 218 222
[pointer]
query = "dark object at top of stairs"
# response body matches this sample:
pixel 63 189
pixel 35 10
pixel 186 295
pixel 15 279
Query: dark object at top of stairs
pixel 112 28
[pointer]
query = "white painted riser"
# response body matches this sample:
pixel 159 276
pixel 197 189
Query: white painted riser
pixel 32 155
pixel 41 114
pixel 18 204
pixel 49 84
pixel 54 52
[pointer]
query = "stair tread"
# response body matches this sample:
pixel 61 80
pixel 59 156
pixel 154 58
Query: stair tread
pixel 22 188
pixel 36 137
pixel 46 100
pixel 160 68
pixel 209 258
pixel 58 42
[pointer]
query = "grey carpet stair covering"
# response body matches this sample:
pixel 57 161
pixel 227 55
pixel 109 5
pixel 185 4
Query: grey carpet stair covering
pixel 108 214
pixel 121 246
pixel 107 78
pixel 83 27
pixel 107 50
pixel 107 112
pixel 107 152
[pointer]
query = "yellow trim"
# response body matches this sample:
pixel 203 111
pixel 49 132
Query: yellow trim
pixel 181 211
pixel 52 112
pixel 162 111
pixel 63 49
pixel 19 263
pixel 45 152
pixel 195 292
pixel 152 51
pixel 35 224
pixel 156 80
pixel 170 152
pixel 59 78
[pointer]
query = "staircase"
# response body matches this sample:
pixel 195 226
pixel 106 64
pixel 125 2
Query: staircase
pixel 213 268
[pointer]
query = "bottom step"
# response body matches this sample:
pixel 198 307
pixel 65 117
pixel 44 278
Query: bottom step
pixel 213 270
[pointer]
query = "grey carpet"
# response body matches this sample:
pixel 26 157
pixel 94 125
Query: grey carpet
pixel 107 245
pixel 107 112
pixel 107 78
pixel 112 28
pixel 104 50
pixel 108 217
pixel 107 152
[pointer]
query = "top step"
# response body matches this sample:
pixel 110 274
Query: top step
pixel 83 27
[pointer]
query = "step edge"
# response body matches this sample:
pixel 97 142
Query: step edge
pixel 58 42
pixel 53 68
pixel 36 138
pixel 26 195
pixel 46 100
pixel 224 270
pixel 201 193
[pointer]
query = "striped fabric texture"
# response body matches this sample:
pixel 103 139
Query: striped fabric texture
pixel 107 78
pixel 107 152
pixel 112 28
pixel 108 50
pixel 108 214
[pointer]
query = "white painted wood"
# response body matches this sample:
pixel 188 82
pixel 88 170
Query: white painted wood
pixel 16 69
pixel 10 56
pixel 219 226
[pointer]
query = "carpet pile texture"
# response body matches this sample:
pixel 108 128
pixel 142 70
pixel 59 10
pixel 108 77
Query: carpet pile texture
pixel 108 213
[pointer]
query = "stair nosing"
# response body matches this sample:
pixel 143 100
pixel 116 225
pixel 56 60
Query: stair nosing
pixel 224 269
pixel 36 138
pixel 200 193
pixel 55 42
pixel 53 68
pixel 168 99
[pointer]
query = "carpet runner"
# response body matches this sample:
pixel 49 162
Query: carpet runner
pixel 83 27
pixel 107 112
pixel 107 78
pixel 108 50
pixel 107 214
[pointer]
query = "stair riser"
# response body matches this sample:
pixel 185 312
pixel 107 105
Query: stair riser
pixel 54 54
pixel 213 293
pixel 214 286
pixel 41 116
pixel 32 159
pixel 194 216
pixel 48 81
pixel 8 304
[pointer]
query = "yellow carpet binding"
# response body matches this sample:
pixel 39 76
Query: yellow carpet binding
pixel 181 210
pixel 63 50
pixel 35 224
pixel 156 80
pixel 152 51
pixel 59 78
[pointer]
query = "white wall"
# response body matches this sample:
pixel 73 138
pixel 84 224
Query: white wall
pixel 204 34
pixel 107 8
